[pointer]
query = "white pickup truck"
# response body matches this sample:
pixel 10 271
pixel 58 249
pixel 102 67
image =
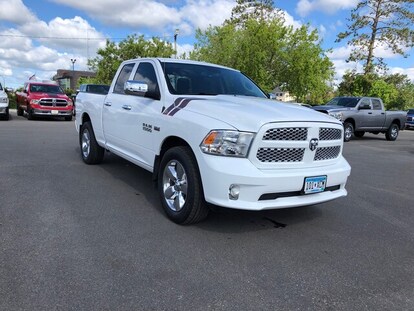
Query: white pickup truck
pixel 210 135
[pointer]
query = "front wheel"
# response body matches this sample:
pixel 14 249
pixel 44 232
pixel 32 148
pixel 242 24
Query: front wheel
pixel 392 132
pixel 91 152
pixel 179 187
pixel 348 131
pixel 19 111
pixel 69 118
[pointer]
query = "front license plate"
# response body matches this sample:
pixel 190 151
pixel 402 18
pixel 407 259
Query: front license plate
pixel 314 184
pixel 54 111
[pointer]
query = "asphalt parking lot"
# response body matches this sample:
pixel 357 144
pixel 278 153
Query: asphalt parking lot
pixel 79 237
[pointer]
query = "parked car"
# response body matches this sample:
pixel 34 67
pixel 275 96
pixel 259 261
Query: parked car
pixel 409 123
pixel 364 114
pixel 4 104
pixel 43 99
pixel 210 134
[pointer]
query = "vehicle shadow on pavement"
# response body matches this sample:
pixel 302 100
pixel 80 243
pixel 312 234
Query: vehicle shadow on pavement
pixel 220 219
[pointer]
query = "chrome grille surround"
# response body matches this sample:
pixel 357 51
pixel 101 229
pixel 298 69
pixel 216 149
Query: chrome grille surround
pixel 327 153
pixel 287 133
pixel 329 134
pixel 296 145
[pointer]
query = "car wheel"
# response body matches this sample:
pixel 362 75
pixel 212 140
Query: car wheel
pixel 91 152
pixel 29 114
pixel 348 131
pixel 359 134
pixel 19 111
pixel 392 132
pixel 179 187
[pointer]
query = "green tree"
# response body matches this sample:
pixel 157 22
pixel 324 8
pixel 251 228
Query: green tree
pixel 269 52
pixel 375 23
pixel 109 58
pixel 252 9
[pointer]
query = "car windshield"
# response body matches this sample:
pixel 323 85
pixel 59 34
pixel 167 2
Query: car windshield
pixel 410 111
pixel 343 102
pixel 45 88
pixel 194 79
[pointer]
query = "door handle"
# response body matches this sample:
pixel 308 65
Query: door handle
pixel 108 104
pixel 127 107
pixel 369 112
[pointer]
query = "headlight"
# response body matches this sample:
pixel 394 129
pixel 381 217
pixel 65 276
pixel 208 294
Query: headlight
pixel 4 100
pixel 34 101
pixel 336 115
pixel 227 143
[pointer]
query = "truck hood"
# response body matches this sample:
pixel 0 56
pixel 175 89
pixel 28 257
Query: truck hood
pixel 325 108
pixel 47 95
pixel 247 113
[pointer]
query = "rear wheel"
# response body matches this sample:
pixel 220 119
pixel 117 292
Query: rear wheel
pixel 179 187
pixel 348 131
pixel 392 132
pixel 91 152
pixel 359 134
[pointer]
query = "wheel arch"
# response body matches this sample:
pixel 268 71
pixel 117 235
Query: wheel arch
pixel 168 143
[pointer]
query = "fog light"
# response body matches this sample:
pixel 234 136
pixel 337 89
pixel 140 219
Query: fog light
pixel 234 191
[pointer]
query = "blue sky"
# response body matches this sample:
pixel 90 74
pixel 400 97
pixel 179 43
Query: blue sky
pixel 41 36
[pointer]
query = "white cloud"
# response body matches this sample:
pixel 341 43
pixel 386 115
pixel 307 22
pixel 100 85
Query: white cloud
pixel 406 71
pixel 304 7
pixel 290 21
pixel 15 11
pixel 128 13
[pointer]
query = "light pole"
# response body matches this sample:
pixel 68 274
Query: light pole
pixel 72 81
pixel 177 31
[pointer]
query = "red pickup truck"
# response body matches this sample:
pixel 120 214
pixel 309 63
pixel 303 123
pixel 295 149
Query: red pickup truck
pixel 43 99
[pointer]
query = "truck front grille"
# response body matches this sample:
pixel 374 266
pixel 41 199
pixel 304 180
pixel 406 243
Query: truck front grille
pixel 53 102
pixel 329 133
pixel 295 133
pixel 327 153
pixel 309 144
pixel 280 154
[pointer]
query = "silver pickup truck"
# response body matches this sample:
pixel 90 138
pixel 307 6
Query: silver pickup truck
pixel 364 114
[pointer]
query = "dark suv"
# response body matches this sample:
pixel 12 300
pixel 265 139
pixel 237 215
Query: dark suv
pixel 409 123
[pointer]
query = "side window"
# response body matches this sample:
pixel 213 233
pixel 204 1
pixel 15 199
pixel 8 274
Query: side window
pixel 122 78
pixel 376 104
pixel 146 73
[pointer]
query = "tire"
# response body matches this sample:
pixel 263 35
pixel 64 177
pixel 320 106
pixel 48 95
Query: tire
pixel 348 131
pixel 392 132
pixel 19 111
pixel 179 187
pixel 7 117
pixel 359 134
pixel 91 152
pixel 68 118
pixel 29 114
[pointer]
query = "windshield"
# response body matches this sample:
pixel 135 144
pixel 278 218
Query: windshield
pixel 343 102
pixel 45 88
pixel 191 79
pixel 411 111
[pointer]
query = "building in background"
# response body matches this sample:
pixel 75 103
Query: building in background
pixel 283 96
pixel 69 79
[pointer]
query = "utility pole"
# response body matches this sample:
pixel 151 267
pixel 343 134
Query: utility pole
pixel 177 31
pixel 72 81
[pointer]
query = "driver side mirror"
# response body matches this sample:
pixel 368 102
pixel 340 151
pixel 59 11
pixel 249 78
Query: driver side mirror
pixel 364 106
pixel 139 88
